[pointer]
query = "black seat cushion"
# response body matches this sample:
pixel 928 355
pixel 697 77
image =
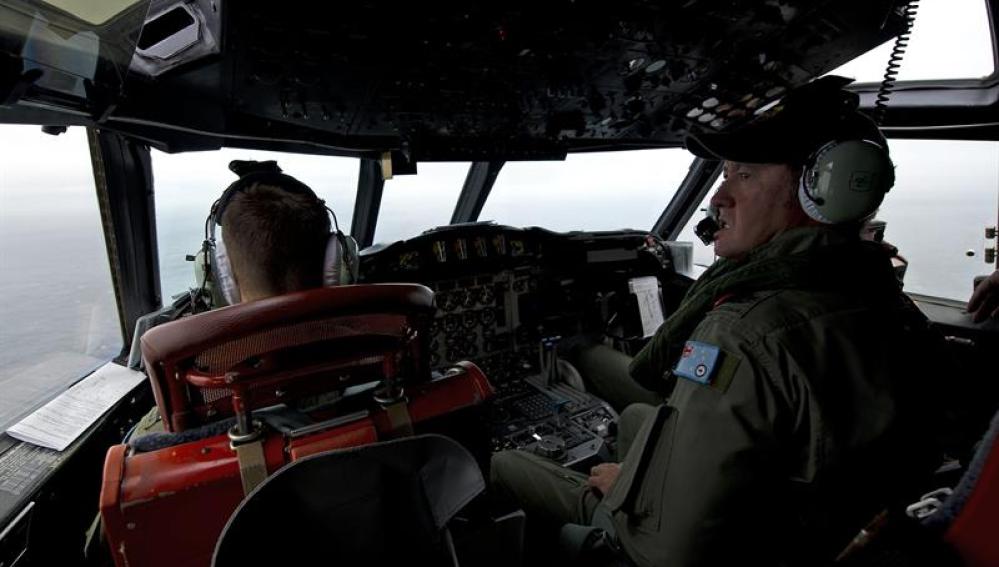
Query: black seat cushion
pixel 371 505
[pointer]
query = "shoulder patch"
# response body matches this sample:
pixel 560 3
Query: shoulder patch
pixel 706 364
pixel 697 362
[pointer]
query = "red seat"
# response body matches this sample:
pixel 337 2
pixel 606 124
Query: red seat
pixel 971 514
pixel 168 506
pixel 301 341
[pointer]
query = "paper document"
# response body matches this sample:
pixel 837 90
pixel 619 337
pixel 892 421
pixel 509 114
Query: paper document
pixel 650 303
pixel 683 257
pixel 58 423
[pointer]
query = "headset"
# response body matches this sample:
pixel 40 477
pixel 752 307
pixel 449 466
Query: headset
pixel 212 269
pixel 843 181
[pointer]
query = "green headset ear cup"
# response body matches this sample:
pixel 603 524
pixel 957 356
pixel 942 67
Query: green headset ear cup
pixel 340 262
pixel 845 181
pixel 222 276
pixel 203 270
pixel 351 259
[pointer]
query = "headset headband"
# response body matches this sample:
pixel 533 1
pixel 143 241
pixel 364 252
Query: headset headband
pixel 251 173
pixel 340 258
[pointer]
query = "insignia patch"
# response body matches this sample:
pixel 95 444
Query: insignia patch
pixel 697 362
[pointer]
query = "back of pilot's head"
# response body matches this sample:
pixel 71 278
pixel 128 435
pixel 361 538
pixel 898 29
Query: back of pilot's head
pixel 275 239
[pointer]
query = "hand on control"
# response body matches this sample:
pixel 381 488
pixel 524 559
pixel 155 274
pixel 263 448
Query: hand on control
pixel 603 476
pixel 984 302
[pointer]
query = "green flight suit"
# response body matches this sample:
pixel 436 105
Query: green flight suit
pixel 795 433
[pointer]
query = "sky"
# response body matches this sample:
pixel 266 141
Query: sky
pixel 949 41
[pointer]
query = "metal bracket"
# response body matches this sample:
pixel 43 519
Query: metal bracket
pixel 928 504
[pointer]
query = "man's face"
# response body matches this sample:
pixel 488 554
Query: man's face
pixel 756 202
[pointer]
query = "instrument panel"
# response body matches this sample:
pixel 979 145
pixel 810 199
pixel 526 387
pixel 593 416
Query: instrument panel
pixel 500 289
pixel 503 294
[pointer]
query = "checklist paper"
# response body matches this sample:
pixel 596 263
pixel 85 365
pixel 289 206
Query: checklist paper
pixel 650 303
pixel 58 423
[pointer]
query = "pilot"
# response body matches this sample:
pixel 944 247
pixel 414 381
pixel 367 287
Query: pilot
pixel 795 369
pixel 276 235
pixel 275 232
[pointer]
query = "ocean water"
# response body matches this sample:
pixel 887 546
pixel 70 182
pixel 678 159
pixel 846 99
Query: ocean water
pixel 57 310
pixel 58 318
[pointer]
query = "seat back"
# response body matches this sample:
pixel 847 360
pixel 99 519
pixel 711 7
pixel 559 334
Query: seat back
pixel 970 516
pixel 374 505
pixel 166 507
pixel 285 348
pixel 959 531
pixel 290 360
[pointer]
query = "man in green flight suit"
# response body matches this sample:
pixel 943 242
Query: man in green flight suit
pixel 795 368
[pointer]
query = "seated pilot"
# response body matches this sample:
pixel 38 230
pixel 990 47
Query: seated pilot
pixel 795 368
pixel 276 239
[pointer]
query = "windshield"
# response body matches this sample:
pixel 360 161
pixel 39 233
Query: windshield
pixel 58 315
pixel 592 191
pixel 946 192
pixel 950 40
pixel 186 185
pixel 412 204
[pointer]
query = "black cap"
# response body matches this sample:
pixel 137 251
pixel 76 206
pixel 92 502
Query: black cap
pixel 803 121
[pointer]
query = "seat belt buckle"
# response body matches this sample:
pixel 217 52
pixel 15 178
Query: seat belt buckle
pixel 249 449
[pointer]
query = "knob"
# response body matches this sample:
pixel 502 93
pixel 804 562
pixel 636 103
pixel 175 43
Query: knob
pixel 601 429
pixel 551 447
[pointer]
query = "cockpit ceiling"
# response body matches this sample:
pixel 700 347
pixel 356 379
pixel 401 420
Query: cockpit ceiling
pixel 510 80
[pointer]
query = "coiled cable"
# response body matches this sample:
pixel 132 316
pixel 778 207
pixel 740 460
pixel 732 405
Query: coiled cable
pixel 895 62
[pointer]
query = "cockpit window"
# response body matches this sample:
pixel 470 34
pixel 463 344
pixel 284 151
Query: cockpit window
pixel 58 315
pixel 590 191
pixel 704 254
pixel 412 204
pixel 946 192
pixel 950 40
pixel 187 184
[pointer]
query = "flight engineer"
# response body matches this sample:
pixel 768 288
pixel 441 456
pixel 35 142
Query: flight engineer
pixel 276 232
pixel 795 369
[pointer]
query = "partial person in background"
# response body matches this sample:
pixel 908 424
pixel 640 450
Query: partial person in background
pixel 984 302
pixel 874 231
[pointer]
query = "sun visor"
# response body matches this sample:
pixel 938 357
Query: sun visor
pixel 72 50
